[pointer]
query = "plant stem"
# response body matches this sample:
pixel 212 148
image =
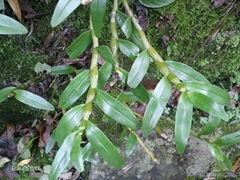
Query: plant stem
pixel 161 65
pixel 87 110
pixel 113 26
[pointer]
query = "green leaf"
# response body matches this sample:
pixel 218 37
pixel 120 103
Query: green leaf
pixel 50 144
pixel 88 153
pixel 214 92
pixel 216 151
pixel 104 146
pixel 226 164
pixel 76 154
pixel 11 26
pixel 127 27
pixel 62 69
pixel 116 110
pixel 63 9
pixel 75 89
pixel 126 97
pixel 62 157
pixel 228 140
pixel 2 6
pixel 183 121
pixel 71 119
pixel 141 93
pixel 206 104
pixel 138 69
pixel 128 48
pixel 156 3
pixel 106 53
pixel 121 18
pixel 156 106
pixel 131 144
pixel 185 72
pixel 33 100
pixel 210 126
pixel 104 74
pixel 97 10
pixel 79 45
pixel 4 93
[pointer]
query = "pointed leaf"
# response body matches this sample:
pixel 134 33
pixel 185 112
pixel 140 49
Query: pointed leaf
pixel 131 144
pixel 71 119
pixel 216 151
pixel 183 122
pixel 62 157
pixel 79 45
pixel 88 154
pixel 50 144
pixel 185 72
pixel 228 140
pixel 141 93
pixel 116 110
pixel 127 27
pixel 11 26
pixel 33 100
pixel 62 69
pixel 97 10
pixel 156 3
pixel 76 154
pixel 226 164
pixel 63 9
pixel 156 106
pixel 214 92
pixel 104 146
pixel 208 105
pixel 138 69
pixel 104 74
pixel 106 53
pixel 4 93
pixel 75 89
pixel 128 48
pixel 210 126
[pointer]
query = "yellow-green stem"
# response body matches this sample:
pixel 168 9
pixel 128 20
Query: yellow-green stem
pixel 161 65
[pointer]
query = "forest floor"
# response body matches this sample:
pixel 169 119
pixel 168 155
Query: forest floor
pixel 200 33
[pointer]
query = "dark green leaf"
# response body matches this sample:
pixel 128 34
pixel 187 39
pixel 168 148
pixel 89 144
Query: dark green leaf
pixel 156 106
pixel 128 48
pixel 62 69
pixel 11 26
pixel 106 53
pixel 156 3
pixel 63 9
pixel 62 157
pixel 216 151
pixel 210 126
pixel 71 119
pixel 184 72
pixel 33 100
pixel 76 154
pixel 141 93
pixel 138 69
pixel 97 10
pixel 116 110
pixel 126 97
pixel 127 27
pixel 75 89
pixel 79 45
pixel 215 93
pixel 121 18
pixel 4 93
pixel 131 144
pixel 228 139
pixel 104 74
pixel 183 122
pixel 103 146
pixel 208 105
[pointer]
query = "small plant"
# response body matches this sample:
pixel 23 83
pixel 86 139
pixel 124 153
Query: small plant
pixel 196 92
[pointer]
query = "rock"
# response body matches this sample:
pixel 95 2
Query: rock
pixel 194 162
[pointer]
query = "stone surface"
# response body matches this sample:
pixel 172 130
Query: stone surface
pixel 195 162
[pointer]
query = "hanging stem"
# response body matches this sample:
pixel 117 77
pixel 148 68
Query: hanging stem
pixel 87 110
pixel 161 65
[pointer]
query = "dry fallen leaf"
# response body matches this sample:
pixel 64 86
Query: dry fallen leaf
pixel 23 162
